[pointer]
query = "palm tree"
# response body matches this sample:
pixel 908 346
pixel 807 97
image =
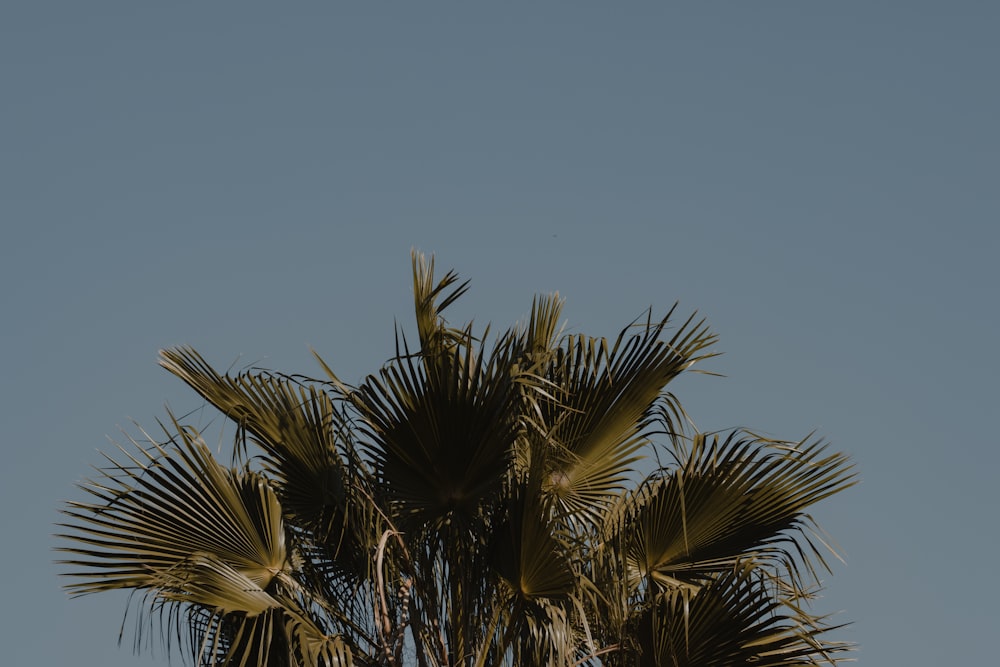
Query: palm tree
pixel 528 498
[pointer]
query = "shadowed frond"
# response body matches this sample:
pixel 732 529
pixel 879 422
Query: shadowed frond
pixel 734 620
pixel 440 434
pixel 529 554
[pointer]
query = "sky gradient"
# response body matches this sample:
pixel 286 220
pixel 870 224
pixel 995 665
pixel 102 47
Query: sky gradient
pixel 819 180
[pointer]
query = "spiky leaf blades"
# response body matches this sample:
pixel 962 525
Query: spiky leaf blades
pixel 528 498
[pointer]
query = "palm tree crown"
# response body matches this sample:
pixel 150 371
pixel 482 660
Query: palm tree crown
pixel 526 498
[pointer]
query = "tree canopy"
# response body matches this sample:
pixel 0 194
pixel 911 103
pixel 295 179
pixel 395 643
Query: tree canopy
pixel 526 497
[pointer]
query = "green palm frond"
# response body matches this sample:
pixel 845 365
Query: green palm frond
pixel 529 555
pixel 307 449
pixel 241 641
pixel 434 334
pixel 734 620
pixel 276 638
pixel 174 523
pixel 731 499
pixel 539 339
pixel 545 635
pixel 440 434
pixel 155 518
pixel 311 646
pixel 606 402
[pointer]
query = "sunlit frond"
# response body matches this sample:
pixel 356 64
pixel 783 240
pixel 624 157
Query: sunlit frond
pixel 731 499
pixel 307 446
pixel 160 512
pixel 606 400
pixel 434 334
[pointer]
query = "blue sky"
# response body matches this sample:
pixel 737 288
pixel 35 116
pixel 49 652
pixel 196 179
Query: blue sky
pixel 819 180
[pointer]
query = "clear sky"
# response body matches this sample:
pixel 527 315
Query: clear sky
pixel 820 180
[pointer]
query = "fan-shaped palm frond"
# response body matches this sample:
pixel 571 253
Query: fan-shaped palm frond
pixel 323 483
pixel 728 500
pixel 736 619
pixel 529 554
pixel 155 518
pixel 174 523
pixel 440 434
pixel 301 432
pixel 605 402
